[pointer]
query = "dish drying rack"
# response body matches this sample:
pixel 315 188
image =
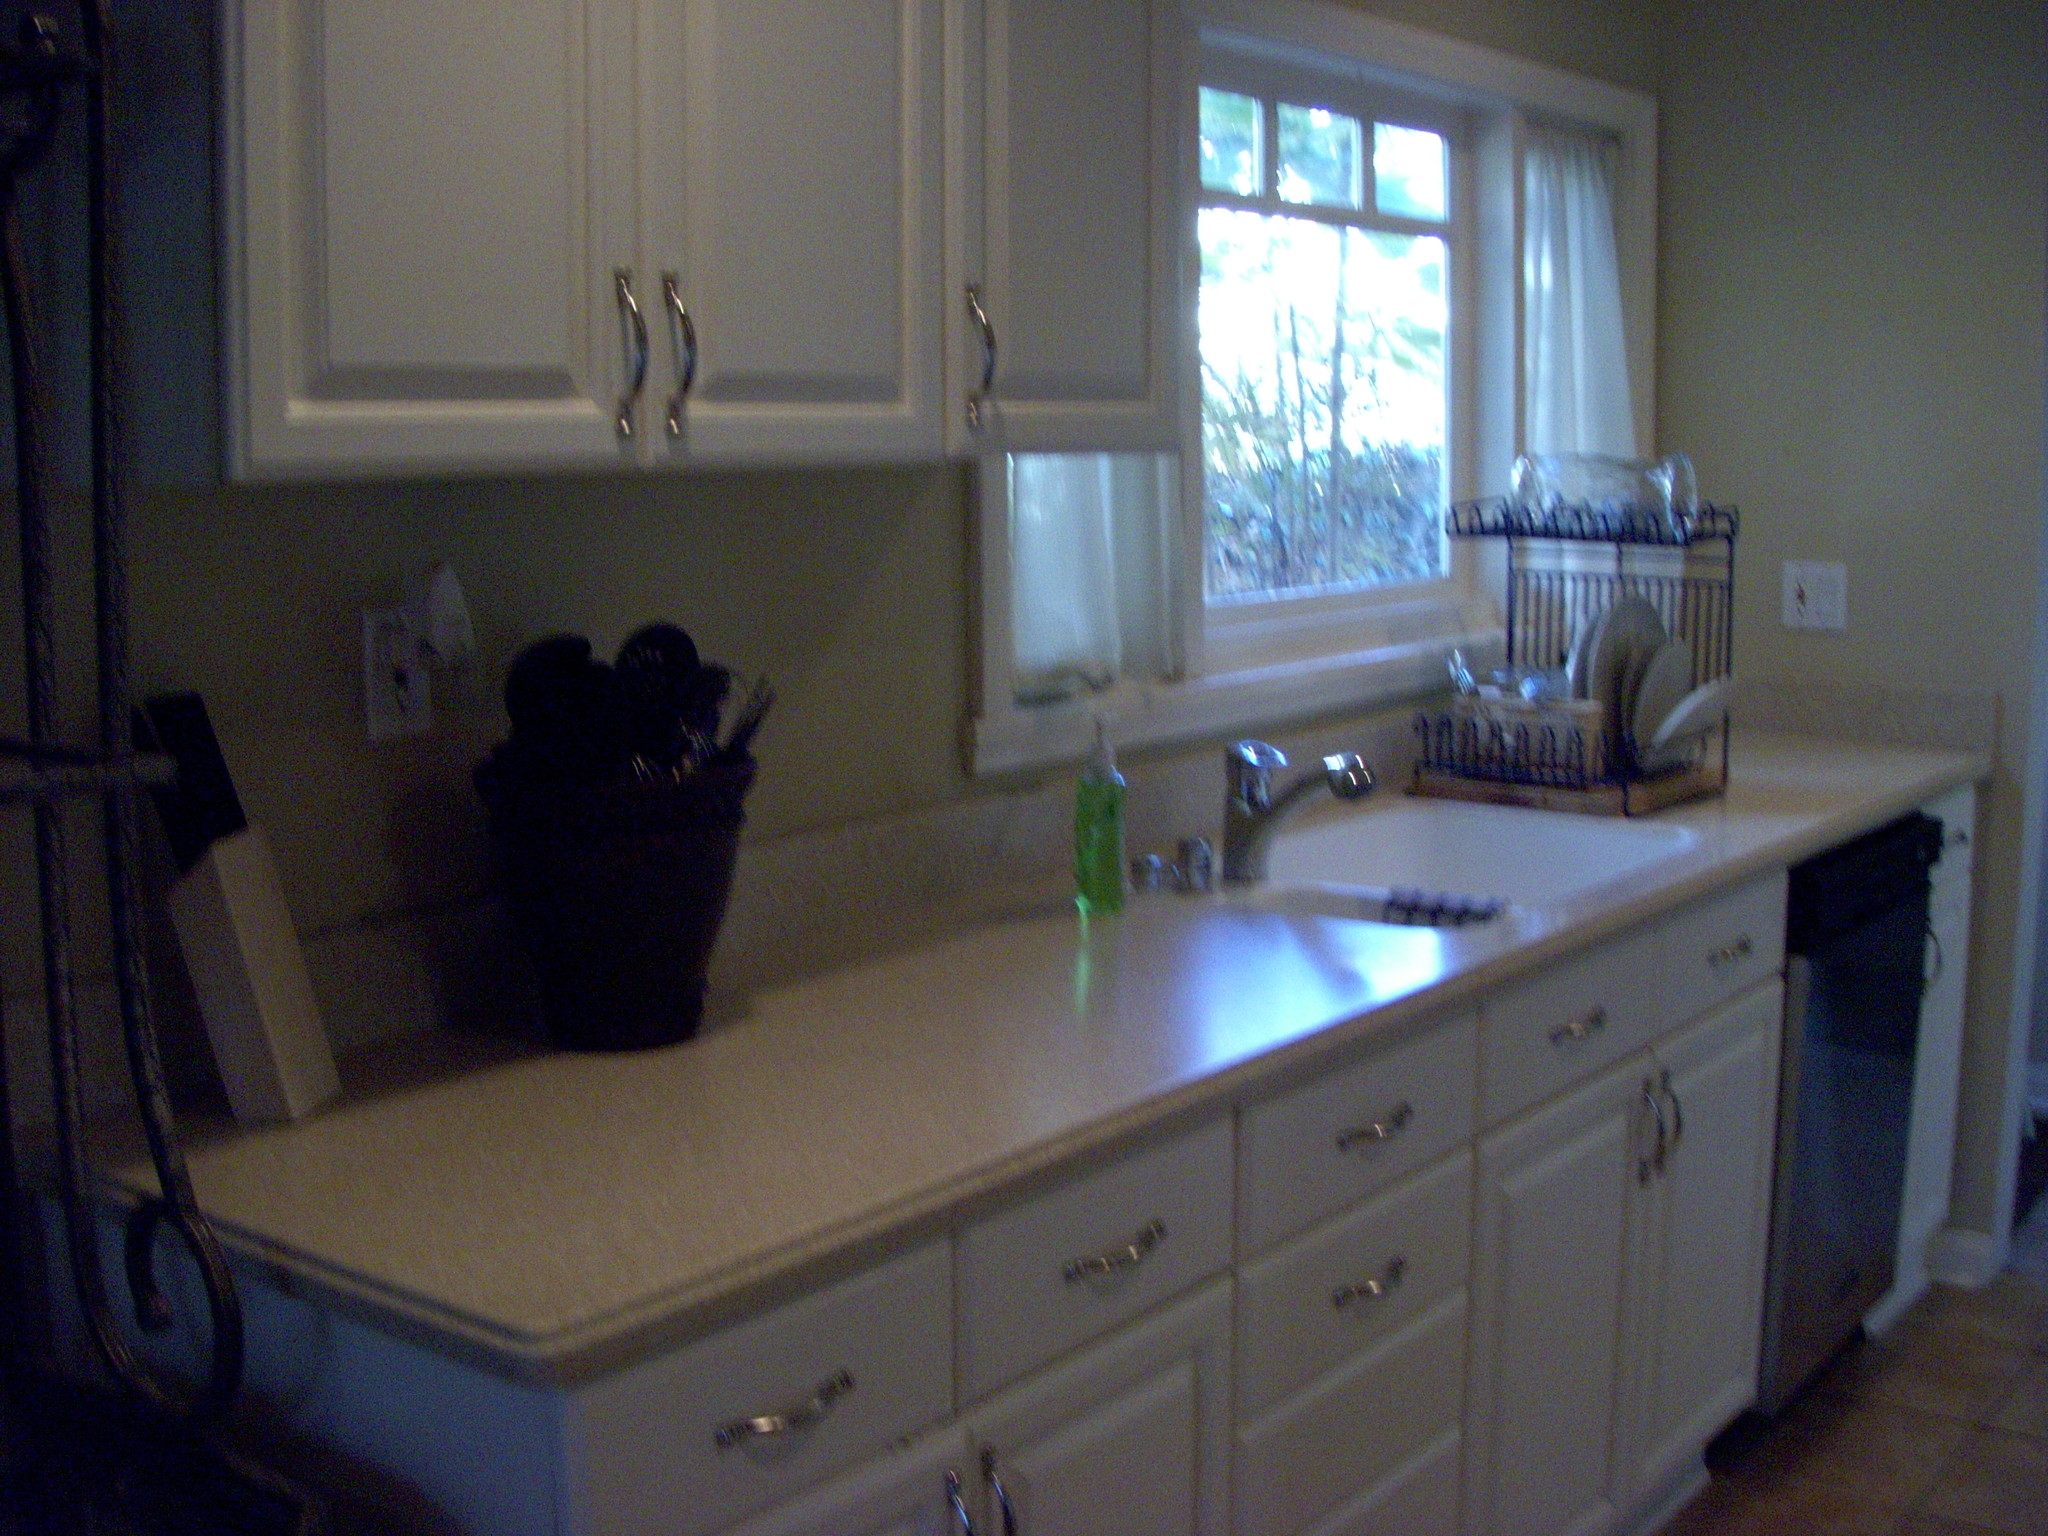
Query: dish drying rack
pixel 1565 564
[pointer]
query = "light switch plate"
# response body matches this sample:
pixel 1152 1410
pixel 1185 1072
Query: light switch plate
pixel 1816 594
pixel 397 698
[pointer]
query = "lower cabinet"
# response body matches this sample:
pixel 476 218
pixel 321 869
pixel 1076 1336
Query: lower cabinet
pixel 1700 1231
pixel 920 1490
pixel 1617 1278
pixel 1130 1436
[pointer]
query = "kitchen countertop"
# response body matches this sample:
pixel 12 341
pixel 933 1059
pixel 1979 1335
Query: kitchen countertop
pixel 556 1216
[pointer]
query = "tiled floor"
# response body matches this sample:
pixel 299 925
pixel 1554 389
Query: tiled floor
pixel 1938 1429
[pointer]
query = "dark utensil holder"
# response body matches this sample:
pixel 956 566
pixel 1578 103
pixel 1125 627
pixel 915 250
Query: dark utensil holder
pixel 618 891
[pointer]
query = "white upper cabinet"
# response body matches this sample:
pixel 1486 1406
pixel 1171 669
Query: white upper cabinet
pixel 1067 225
pixel 655 232
pixel 424 210
pixel 793 210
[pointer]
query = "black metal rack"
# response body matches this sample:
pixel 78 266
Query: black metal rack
pixel 1565 564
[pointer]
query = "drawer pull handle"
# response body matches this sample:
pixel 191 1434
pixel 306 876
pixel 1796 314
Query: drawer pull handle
pixel 962 1521
pixel 1579 1029
pixel 1652 1162
pixel 1379 1131
pixel 797 1416
pixel 1129 1256
pixel 1729 953
pixel 995 1486
pixel 1371 1290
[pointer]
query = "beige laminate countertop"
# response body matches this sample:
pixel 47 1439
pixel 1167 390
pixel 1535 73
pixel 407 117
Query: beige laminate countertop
pixel 555 1216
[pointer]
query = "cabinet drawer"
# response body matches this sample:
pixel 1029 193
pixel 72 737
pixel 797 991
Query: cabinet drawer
pixel 1418 1498
pixel 645 1448
pixel 1716 948
pixel 1317 1451
pixel 1039 1278
pixel 1318 1149
pixel 1585 1013
pixel 1306 1306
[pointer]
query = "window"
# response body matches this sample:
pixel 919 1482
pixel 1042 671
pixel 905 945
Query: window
pixel 1391 237
pixel 1328 229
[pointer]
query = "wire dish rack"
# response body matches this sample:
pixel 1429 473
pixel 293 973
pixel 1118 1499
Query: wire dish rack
pixel 1564 566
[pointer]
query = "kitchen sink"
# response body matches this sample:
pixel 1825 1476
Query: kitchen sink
pixel 1454 849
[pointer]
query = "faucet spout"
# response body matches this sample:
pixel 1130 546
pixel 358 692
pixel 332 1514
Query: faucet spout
pixel 1251 811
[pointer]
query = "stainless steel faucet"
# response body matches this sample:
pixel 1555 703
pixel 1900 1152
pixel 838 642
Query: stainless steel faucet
pixel 1251 811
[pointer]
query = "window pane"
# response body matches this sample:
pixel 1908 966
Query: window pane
pixel 1230 143
pixel 1321 154
pixel 1408 171
pixel 1323 404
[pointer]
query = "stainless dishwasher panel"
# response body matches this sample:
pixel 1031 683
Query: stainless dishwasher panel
pixel 1852 1011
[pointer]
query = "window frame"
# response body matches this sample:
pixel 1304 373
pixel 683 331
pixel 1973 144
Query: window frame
pixel 1332 653
pixel 1237 632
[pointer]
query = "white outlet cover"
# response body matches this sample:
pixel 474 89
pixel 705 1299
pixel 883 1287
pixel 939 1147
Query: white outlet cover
pixel 397 697
pixel 1816 594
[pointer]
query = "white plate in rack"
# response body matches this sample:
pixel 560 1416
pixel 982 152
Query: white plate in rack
pixel 1695 714
pixel 1666 681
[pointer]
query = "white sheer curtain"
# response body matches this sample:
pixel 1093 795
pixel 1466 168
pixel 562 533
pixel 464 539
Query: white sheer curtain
pixel 1089 536
pixel 1577 355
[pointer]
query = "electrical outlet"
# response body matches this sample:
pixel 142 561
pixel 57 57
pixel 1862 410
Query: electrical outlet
pixel 397 698
pixel 1816 594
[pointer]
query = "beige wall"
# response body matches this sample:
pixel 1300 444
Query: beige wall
pixel 1851 340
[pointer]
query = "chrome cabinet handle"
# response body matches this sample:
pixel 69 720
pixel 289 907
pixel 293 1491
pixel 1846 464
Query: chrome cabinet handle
pixel 1677 1115
pixel 633 337
pixel 1377 1131
pixel 1371 1290
pixel 962 1521
pixel 995 1486
pixel 682 336
pixel 1579 1029
pixel 1129 1256
pixel 1727 953
pixel 1653 1162
pixel 766 1426
pixel 978 312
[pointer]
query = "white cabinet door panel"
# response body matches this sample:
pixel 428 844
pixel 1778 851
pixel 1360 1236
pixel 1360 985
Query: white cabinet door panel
pixel 425 210
pixel 1553 1194
pixel 1130 1436
pixel 1075 237
pixel 793 188
pixel 1702 1225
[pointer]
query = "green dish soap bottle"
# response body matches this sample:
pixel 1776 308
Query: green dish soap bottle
pixel 1099 832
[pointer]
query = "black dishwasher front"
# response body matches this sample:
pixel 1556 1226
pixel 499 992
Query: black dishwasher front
pixel 1855 941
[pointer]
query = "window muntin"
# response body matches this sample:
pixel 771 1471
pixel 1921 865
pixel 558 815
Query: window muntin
pixel 1324 321
pixel 1321 158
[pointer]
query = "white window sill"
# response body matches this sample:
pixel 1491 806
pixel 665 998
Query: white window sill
pixel 1245 698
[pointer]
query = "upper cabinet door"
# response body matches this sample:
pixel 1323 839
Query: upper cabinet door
pixel 793 203
pixel 1069 225
pixel 424 218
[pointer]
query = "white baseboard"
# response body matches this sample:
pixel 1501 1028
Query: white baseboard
pixel 1959 1256
pixel 1662 1508
pixel 1895 1303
